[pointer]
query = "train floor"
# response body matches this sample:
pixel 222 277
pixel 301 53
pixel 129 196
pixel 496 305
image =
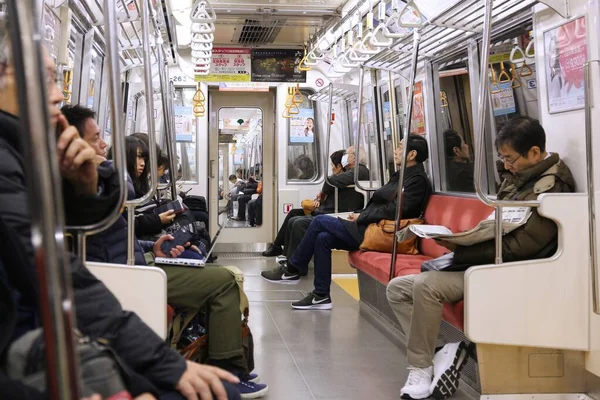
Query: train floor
pixel 325 355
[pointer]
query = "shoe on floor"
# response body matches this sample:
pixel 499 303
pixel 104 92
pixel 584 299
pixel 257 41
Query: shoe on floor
pixel 251 390
pixel 281 275
pixel 283 262
pixel 447 364
pixel 313 302
pixel 418 384
pixel 273 251
pixel 254 378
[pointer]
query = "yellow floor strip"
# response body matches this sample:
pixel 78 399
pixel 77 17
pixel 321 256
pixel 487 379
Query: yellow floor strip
pixel 349 284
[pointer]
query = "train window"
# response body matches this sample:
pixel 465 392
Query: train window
pixel 186 133
pixel 303 143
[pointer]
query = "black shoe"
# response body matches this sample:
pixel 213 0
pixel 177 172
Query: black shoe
pixel 447 364
pixel 283 264
pixel 273 251
pixel 282 276
pixel 313 302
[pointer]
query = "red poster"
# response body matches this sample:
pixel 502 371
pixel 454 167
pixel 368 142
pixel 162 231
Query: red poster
pixel 417 124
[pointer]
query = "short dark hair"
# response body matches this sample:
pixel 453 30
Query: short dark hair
pixel 451 140
pixel 522 133
pixel 336 157
pixel 232 177
pixel 77 115
pixel 419 144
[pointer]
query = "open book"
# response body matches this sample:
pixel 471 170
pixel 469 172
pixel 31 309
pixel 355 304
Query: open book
pixel 512 218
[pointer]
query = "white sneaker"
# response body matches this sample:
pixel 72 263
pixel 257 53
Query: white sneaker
pixel 418 383
pixel 447 364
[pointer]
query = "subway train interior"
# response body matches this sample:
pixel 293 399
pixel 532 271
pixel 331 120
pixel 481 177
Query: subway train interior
pixel 299 199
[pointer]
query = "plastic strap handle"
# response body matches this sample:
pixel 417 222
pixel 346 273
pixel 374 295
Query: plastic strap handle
pixel 374 41
pixel 515 81
pixel 513 53
pixel 530 50
pixel 303 61
pixel 525 70
pixel 202 12
pixel 298 97
pixel 203 38
pixel 203 28
pixel 494 88
pixel 503 77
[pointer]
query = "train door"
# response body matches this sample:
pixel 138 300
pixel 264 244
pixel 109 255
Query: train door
pixel 241 143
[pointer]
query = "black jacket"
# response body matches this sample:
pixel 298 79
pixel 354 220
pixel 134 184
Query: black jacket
pixel 99 314
pixel 350 200
pixel 382 205
pixel 460 176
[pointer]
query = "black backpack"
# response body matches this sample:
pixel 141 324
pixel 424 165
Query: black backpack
pixel 196 203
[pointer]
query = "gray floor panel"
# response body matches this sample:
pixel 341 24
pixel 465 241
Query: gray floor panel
pixel 318 355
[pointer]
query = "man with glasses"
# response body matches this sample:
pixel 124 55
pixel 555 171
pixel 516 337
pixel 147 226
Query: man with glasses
pixel 527 170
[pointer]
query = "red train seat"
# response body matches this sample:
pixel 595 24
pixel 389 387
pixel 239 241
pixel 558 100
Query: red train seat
pixel 456 213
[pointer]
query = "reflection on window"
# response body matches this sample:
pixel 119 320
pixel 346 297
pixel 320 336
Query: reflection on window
pixel 185 131
pixel 303 154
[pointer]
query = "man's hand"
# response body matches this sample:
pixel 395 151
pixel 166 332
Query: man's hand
pixel 353 217
pixel 100 159
pixel 446 244
pixel 167 217
pixel 316 204
pixel 77 159
pixel 199 382
pixel 175 251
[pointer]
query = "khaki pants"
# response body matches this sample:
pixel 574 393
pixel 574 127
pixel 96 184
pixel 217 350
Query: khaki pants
pixel 418 302
pixel 216 288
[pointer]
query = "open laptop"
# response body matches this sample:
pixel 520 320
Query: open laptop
pixel 187 262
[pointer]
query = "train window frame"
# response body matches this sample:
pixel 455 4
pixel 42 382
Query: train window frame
pixel 315 145
pixel 180 146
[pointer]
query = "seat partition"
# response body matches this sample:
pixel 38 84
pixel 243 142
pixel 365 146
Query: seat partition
pixel 537 303
pixel 142 290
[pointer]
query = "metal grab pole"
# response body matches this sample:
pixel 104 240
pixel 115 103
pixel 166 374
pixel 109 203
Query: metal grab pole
pixel 412 77
pixel 131 204
pixel 172 142
pixel 327 144
pixel 361 79
pixel 167 115
pixel 45 202
pixel 393 114
pixel 590 178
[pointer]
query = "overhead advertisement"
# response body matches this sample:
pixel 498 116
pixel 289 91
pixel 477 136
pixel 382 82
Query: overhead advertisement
pixel 302 126
pixel 277 65
pixel 228 65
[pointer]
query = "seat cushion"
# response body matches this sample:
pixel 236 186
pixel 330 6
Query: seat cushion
pixel 377 265
pixel 455 213
pixel 454 314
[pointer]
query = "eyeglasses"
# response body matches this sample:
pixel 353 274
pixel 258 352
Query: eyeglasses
pixel 510 162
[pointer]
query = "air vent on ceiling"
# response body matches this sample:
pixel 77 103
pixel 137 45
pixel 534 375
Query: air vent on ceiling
pixel 256 32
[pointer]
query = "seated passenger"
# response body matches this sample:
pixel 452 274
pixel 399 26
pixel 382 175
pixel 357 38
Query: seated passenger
pixel 342 166
pixel 527 170
pixel 327 232
pixel 304 166
pixel 243 199
pixel 459 168
pixel 255 208
pixel 99 314
pixel 85 122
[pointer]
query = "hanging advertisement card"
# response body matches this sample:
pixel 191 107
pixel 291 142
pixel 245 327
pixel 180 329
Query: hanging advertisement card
pixel 184 123
pixel 565 55
pixel 302 126
pixel 417 124
pixel 503 102
pixel 228 65
pixel 277 65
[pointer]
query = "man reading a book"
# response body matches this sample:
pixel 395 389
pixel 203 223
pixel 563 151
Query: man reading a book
pixel 526 170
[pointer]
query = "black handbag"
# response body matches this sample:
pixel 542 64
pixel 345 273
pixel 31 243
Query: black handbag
pixel 444 263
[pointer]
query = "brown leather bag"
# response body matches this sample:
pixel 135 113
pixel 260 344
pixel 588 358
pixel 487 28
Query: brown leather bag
pixel 307 206
pixel 380 237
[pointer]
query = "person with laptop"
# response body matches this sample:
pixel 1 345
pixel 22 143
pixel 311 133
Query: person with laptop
pixel 193 288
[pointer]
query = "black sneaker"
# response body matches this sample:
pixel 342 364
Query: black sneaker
pixel 273 251
pixel 447 364
pixel 313 302
pixel 281 275
pixel 283 263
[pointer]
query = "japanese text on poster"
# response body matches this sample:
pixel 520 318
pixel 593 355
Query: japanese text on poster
pixel 277 65
pixel 228 65
pixel 566 54
pixel 184 124
pixel 417 124
pixel 302 126
pixel 503 102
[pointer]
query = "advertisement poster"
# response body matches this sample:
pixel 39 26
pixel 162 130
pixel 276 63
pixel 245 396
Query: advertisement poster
pixel 277 65
pixel 184 123
pixel 302 126
pixel 417 124
pixel 565 55
pixel 503 102
pixel 228 65
pixel 387 118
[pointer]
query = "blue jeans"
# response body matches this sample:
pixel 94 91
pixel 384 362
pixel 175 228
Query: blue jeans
pixel 324 234
pixel 232 393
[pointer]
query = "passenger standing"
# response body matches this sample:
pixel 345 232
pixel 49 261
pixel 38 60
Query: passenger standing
pixel 527 171
pixel 327 232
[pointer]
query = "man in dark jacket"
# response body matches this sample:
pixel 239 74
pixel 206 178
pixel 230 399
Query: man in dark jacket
pixel 459 168
pixel 342 177
pixel 527 170
pixel 99 314
pixel 326 232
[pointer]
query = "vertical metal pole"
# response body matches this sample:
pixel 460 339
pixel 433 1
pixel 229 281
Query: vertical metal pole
pixel 131 235
pixel 481 113
pixel 45 202
pixel 590 189
pixel 327 143
pixel 413 74
pixel 393 114
pixel 167 116
pixel 361 79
